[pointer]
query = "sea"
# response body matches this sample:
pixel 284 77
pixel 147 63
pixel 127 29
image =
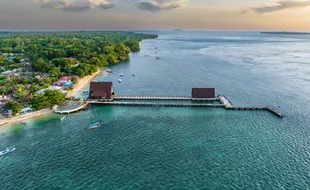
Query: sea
pixel 180 147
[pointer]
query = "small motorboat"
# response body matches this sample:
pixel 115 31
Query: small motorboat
pixel 6 151
pixel 133 75
pixel 85 92
pixel 155 47
pixel 62 118
pixel 121 75
pixel 157 57
pixel 109 70
pixel 119 80
pixel 94 125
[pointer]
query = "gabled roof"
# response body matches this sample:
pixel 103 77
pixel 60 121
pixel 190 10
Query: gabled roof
pixel 203 92
pixel 98 89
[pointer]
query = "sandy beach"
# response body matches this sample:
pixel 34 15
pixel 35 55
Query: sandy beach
pixel 82 82
pixel 26 116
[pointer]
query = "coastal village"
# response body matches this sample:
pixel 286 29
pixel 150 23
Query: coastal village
pixel 40 70
pixel 24 71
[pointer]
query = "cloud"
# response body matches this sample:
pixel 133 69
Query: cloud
pixel 75 5
pixel 279 6
pixel 158 5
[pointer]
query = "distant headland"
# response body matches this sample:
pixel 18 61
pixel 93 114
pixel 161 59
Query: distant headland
pixel 178 30
pixel 287 33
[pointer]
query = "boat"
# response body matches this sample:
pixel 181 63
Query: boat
pixel 62 118
pixel 155 47
pixel 121 75
pixel 119 80
pixel 24 123
pixel 109 70
pixel 85 92
pixel 157 57
pixel 146 55
pixel 94 125
pixel 6 151
pixel 133 75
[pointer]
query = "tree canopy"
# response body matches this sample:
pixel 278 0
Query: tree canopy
pixel 15 106
pixel 48 99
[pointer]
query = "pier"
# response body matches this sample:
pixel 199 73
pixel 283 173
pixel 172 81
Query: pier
pixel 155 104
pixel 224 102
pixel 119 97
pixel 103 93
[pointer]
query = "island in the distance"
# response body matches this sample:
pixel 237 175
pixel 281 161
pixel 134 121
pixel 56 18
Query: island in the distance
pixel 178 30
pixel 287 33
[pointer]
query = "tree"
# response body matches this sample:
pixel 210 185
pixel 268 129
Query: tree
pixel 39 65
pixel 94 61
pixel 54 96
pixel 54 71
pixel 79 72
pixel 74 80
pixel 48 99
pixel 15 106
pixel 20 92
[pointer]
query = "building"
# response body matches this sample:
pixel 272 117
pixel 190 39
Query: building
pixel 52 88
pixel 101 90
pixel 25 110
pixel 203 93
pixel 65 78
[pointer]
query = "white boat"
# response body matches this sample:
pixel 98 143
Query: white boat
pixel 6 151
pixel 85 92
pixel 119 80
pixel 62 118
pixel 121 75
pixel 94 125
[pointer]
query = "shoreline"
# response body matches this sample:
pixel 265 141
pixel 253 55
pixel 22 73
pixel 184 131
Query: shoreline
pixel 82 82
pixel 26 116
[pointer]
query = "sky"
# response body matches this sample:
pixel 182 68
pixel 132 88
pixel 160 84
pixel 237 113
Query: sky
pixel 284 15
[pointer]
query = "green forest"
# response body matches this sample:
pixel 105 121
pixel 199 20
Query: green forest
pixel 56 54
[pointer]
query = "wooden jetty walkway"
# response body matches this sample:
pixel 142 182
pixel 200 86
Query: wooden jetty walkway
pixel 229 105
pixel 224 103
pixel 157 104
pixel 118 97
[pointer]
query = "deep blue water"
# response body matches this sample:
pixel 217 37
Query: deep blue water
pixel 180 148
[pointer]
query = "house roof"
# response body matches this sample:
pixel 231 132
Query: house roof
pixel 65 78
pixel 99 88
pixel 203 92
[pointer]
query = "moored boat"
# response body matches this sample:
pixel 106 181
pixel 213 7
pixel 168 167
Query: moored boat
pixel 133 75
pixel 109 70
pixel 121 75
pixel 6 151
pixel 119 80
pixel 62 118
pixel 94 125
pixel 85 92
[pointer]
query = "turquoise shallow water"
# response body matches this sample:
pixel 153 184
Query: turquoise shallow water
pixel 180 148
